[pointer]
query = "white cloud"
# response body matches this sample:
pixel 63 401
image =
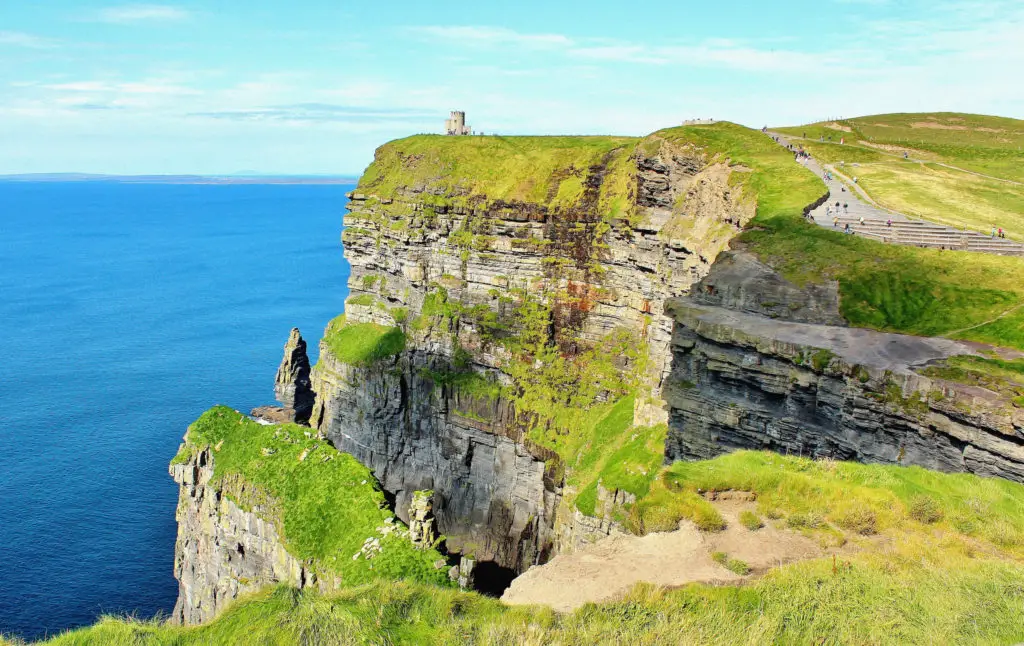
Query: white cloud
pixel 20 39
pixel 134 13
pixel 479 35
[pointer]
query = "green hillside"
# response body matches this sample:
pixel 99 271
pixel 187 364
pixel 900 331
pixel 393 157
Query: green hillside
pixel 961 170
pixel 927 558
pixel 884 287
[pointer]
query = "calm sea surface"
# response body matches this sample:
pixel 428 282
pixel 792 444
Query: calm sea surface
pixel 125 312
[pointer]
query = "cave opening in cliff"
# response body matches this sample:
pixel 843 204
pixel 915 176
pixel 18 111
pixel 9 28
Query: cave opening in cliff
pixel 491 579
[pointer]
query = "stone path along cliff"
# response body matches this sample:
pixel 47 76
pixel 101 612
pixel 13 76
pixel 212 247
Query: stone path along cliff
pixel 891 226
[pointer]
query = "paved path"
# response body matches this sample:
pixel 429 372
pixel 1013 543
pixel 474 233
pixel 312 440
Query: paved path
pixel 866 218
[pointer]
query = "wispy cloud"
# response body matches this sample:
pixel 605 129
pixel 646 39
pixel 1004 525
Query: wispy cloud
pixel 482 35
pixel 21 39
pixel 319 113
pixel 135 13
pixel 707 53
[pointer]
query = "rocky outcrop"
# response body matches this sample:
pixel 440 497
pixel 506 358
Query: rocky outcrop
pixel 492 498
pixel 497 496
pixel 746 381
pixel 739 281
pixel 222 550
pixel 292 386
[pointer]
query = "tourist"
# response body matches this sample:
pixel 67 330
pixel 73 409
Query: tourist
pixel 846 207
pixel 847 228
pixel 993 232
pixel 888 223
pixel 835 222
pixel 862 220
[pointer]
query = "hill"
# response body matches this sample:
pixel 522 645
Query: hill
pixel 961 170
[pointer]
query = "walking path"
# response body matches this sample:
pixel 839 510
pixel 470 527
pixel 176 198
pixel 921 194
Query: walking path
pixel 864 217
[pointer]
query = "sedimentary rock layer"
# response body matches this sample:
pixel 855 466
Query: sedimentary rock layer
pixel 742 380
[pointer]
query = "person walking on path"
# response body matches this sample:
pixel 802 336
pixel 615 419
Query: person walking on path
pixel 993 231
pixel 862 220
pixel 835 222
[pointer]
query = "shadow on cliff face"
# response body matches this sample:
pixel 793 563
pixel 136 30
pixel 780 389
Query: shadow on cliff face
pixel 491 579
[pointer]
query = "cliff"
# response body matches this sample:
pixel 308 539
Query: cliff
pixel 745 380
pixel 266 504
pixel 526 279
pixel 509 340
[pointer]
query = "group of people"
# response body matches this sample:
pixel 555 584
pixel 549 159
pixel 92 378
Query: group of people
pixel 998 232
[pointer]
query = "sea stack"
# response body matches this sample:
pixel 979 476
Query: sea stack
pixel 291 386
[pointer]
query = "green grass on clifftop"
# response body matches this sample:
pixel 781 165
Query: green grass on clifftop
pixel 324 503
pixel 361 344
pixel 549 171
pixel 940 181
pixel 932 559
pixel 885 287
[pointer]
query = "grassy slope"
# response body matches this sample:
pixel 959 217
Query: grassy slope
pixel 981 144
pixel 325 505
pixel 542 170
pixel 885 287
pixel 362 343
pixel 944 567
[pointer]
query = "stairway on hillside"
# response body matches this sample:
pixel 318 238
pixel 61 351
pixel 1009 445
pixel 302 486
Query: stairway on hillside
pixel 902 230
pixel 918 233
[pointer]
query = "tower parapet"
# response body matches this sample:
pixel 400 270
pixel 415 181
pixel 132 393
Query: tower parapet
pixel 456 124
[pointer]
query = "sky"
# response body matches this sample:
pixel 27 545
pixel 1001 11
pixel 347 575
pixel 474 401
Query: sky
pixel 314 86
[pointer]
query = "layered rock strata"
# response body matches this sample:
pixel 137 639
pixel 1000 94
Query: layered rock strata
pixel 292 386
pixel 497 496
pixel 222 550
pixel 746 381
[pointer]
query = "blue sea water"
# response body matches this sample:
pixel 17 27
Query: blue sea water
pixel 125 312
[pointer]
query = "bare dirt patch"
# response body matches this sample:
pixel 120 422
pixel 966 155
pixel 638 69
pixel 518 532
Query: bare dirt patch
pixel 612 566
pixel 935 125
pixel 838 126
pixel 894 149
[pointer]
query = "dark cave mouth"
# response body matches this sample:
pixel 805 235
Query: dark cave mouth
pixel 491 579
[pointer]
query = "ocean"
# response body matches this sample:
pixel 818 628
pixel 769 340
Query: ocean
pixel 126 311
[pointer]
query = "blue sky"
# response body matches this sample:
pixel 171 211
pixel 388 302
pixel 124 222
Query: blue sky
pixel 313 86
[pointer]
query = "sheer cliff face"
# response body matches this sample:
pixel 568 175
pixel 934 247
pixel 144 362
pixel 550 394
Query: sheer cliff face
pixel 222 550
pixel 599 267
pixel 744 379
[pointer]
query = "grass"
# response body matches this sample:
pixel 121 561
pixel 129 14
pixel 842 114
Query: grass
pixel 736 566
pixel 864 499
pixel 362 344
pixel 947 569
pixel 1000 375
pixel 548 171
pixel 884 287
pixel 324 503
pixel 922 186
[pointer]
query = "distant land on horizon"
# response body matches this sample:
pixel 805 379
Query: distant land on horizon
pixel 181 179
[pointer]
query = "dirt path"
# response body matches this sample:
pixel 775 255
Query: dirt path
pixel 612 566
pixel 1013 309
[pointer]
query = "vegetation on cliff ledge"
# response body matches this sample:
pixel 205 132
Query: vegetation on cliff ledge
pixel 360 344
pixel 324 503
pixel 929 558
pixel 545 171
pixel 885 287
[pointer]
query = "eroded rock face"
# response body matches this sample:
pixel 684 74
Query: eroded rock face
pixel 222 550
pixel 739 281
pixel 491 496
pixel 744 381
pixel 292 386
pixel 496 496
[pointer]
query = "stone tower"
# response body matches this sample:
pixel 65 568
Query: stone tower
pixel 456 124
